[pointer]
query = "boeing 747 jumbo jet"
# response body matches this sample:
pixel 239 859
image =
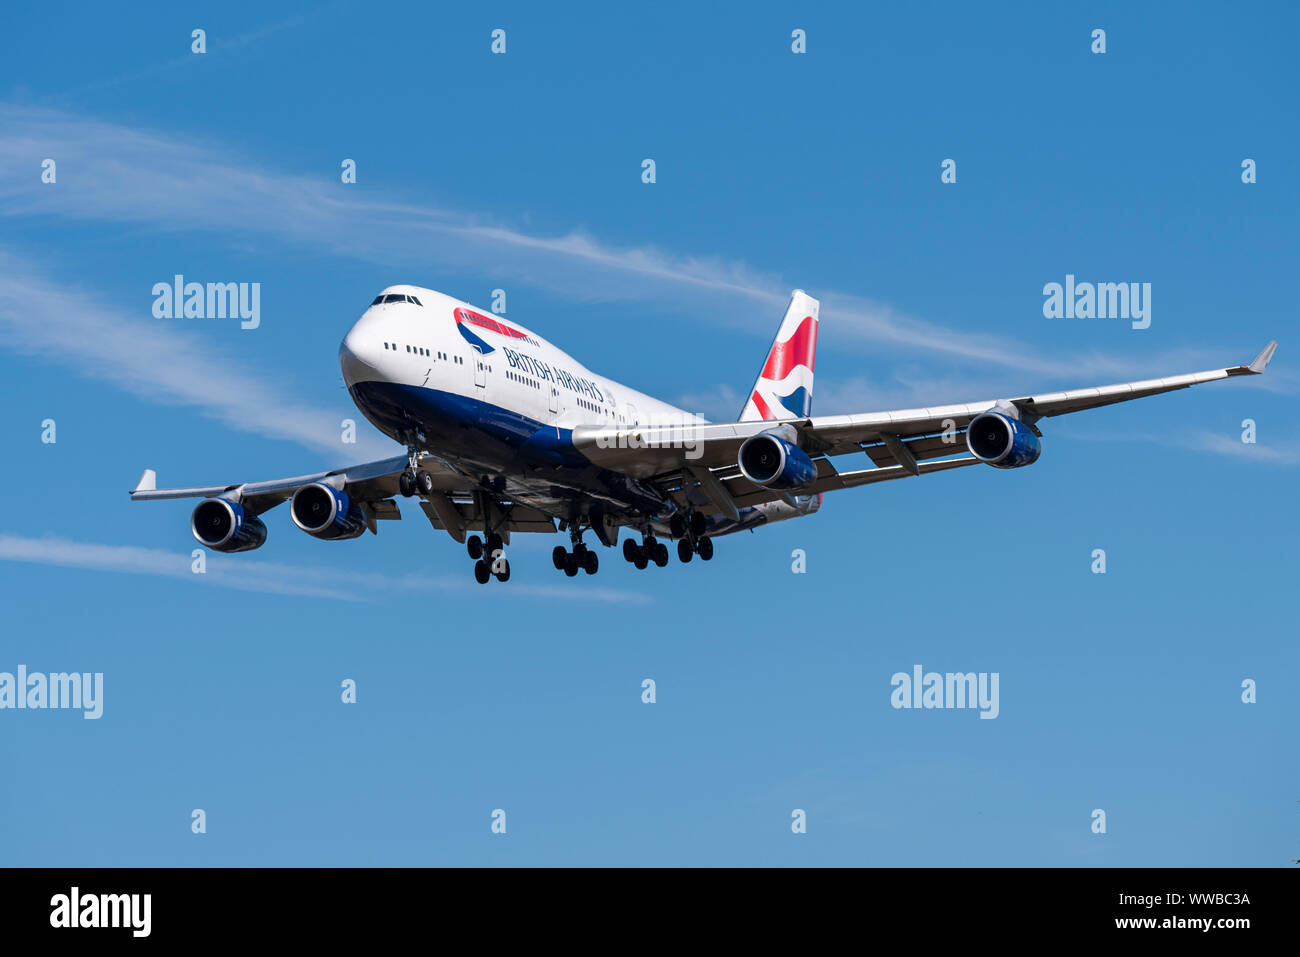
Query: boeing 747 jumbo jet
pixel 506 433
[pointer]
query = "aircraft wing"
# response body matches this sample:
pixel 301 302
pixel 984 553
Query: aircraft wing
pixel 371 482
pixel 698 462
pixel 453 507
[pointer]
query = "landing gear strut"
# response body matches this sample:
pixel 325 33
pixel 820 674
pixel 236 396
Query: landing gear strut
pixel 414 479
pixel 581 558
pixel 691 540
pixel 490 559
pixel 650 550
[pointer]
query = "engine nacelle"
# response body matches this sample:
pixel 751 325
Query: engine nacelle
pixel 769 460
pixel 1001 441
pixel 223 526
pixel 323 511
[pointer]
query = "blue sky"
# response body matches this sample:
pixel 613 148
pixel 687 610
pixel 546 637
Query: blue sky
pixel 522 171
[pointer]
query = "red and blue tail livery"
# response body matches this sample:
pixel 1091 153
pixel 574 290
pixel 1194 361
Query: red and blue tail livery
pixel 783 389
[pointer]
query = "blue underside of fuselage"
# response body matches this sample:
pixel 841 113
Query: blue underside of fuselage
pixel 537 463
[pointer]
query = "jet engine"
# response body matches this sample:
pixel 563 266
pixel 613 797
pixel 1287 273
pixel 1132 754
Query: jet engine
pixel 1002 441
pixel 224 526
pixel 770 460
pixel 323 511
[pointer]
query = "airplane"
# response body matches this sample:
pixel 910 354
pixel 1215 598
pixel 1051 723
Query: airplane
pixel 506 433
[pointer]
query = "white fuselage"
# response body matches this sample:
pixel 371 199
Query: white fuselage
pixel 421 347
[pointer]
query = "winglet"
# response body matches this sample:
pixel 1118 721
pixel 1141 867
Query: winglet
pixel 1262 360
pixel 148 482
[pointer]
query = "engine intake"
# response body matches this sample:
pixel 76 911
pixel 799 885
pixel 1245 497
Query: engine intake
pixel 769 460
pixel 223 526
pixel 324 512
pixel 1001 441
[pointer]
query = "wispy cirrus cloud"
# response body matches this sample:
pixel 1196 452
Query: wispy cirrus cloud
pixel 1231 445
pixel 1283 453
pixel 275 578
pixel 110 172
pixel 57 321
pixel 218 47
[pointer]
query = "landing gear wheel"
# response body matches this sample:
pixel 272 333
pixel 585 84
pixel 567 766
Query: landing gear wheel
pixel 629 550
pixel 639 559
pixel 698 524
pixel 570 564
pixel 504 574
pixel 590 562
pixel 677 526
pixel 661 554
pixel 684 550
pixel 494 544
pixel 481 572
pixel 704 548
pixel 424 482
pixel 558 556
pixel 474 545
pixel 406 484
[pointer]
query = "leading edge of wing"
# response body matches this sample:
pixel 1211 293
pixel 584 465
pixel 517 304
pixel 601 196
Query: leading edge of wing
pixel 147 490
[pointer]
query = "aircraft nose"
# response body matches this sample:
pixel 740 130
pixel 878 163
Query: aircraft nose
pixel 357 359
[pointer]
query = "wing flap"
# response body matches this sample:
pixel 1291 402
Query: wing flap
pixel 926 447
pixel 468 516
pixel 828 480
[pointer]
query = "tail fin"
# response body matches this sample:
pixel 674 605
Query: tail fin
pixel 783 389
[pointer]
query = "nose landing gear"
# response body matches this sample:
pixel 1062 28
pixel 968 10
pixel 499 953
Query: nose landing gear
pixel 415 479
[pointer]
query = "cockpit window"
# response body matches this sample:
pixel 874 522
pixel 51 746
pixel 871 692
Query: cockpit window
pixel 416 301
pixel 378 300
pixel 395 297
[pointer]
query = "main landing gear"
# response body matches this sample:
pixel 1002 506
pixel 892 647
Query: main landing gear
pixel 691 540
pixel 650 550
pixel 581 558
pixel 489 559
